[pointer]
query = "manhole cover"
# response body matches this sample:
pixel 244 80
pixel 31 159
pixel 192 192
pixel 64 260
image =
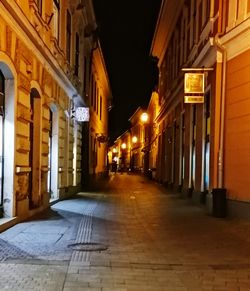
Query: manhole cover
pixel 88 247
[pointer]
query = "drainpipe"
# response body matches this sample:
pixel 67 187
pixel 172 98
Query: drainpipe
pixel 222 115
pixel 220 182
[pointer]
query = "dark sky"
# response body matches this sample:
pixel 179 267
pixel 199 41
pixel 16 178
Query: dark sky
pixel 126 30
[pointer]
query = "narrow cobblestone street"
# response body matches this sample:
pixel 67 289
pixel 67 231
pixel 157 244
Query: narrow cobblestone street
pixel 132 235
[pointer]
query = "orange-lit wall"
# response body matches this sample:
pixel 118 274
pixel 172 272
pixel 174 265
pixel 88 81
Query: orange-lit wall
pixel 237 130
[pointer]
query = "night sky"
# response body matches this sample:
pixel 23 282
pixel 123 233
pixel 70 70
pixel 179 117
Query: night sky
pixel 126 30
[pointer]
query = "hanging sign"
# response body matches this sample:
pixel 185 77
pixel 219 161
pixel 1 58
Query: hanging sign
pixel 82 114
pixel 194 83
pixel 193 99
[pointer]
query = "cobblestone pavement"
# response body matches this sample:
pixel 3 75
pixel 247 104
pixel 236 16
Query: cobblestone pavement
pixel 132 235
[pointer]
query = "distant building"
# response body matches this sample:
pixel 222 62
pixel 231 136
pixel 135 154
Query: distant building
pixel 137 131
pixel 99 102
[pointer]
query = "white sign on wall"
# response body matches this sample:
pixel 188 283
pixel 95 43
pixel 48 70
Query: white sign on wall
pixel 82 114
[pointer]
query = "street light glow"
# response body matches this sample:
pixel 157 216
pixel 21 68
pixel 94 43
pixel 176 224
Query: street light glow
pixel 144 117
pixel 114 150
pixel 123 146
pixel 134 139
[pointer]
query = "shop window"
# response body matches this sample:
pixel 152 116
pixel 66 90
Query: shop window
pixel 75 156
pixel 193 158
pixel 207 142
pixel 182 132
pixel 49 155
pixel 2 110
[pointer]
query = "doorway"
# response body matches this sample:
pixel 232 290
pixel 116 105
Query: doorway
pixel 35 150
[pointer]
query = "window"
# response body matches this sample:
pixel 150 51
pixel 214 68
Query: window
pixel 200 24
pixel 94 95
pixel 68 36
pixel 77 55
pixel 100 107
pixel 97 100
pixel 193 159
pixel 237 12
pixel 39 6
pixel 207 9
pixel 85 74
pixel 207 142
pixel 194 22
pixel 92 90
pixel 49 154
pixel 56 18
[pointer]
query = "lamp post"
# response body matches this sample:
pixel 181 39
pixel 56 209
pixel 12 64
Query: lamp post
pixel 123 156
pixel 144 119
pixel 134 141
pixel 114 159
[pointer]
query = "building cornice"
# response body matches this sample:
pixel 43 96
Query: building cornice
pixel 237 40
pixel 27 33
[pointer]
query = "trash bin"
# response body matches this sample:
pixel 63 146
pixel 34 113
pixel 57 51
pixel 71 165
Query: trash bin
pixel 219 202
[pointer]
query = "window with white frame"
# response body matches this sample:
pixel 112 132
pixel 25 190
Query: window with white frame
pixel 56 18
pixel 238 11
pixel 68 36
pixel 39 4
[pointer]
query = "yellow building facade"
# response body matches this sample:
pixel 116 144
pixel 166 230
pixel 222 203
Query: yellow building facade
pixel 99 102
pixel 45 63
pixel 236 48
pixel 203 148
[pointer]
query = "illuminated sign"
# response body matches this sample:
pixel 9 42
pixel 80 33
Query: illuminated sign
pixel 193 99
pixel 82 114
pixel 194 83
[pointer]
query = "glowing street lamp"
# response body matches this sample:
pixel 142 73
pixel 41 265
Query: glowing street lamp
pixel 114 150
pixel 144 117
pixel 123 146
pixel 134 139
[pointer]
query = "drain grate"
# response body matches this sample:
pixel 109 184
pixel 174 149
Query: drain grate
pixel 88 247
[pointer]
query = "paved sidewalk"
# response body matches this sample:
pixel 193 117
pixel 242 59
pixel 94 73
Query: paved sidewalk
pixel 132 235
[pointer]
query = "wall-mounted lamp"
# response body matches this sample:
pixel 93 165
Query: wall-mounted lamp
pixel 123 146
pixel 144 117
pixel 134 139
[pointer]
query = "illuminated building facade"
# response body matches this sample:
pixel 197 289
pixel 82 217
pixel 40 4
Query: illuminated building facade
pixel 99 102
pixel 204 146
pixel 46 54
